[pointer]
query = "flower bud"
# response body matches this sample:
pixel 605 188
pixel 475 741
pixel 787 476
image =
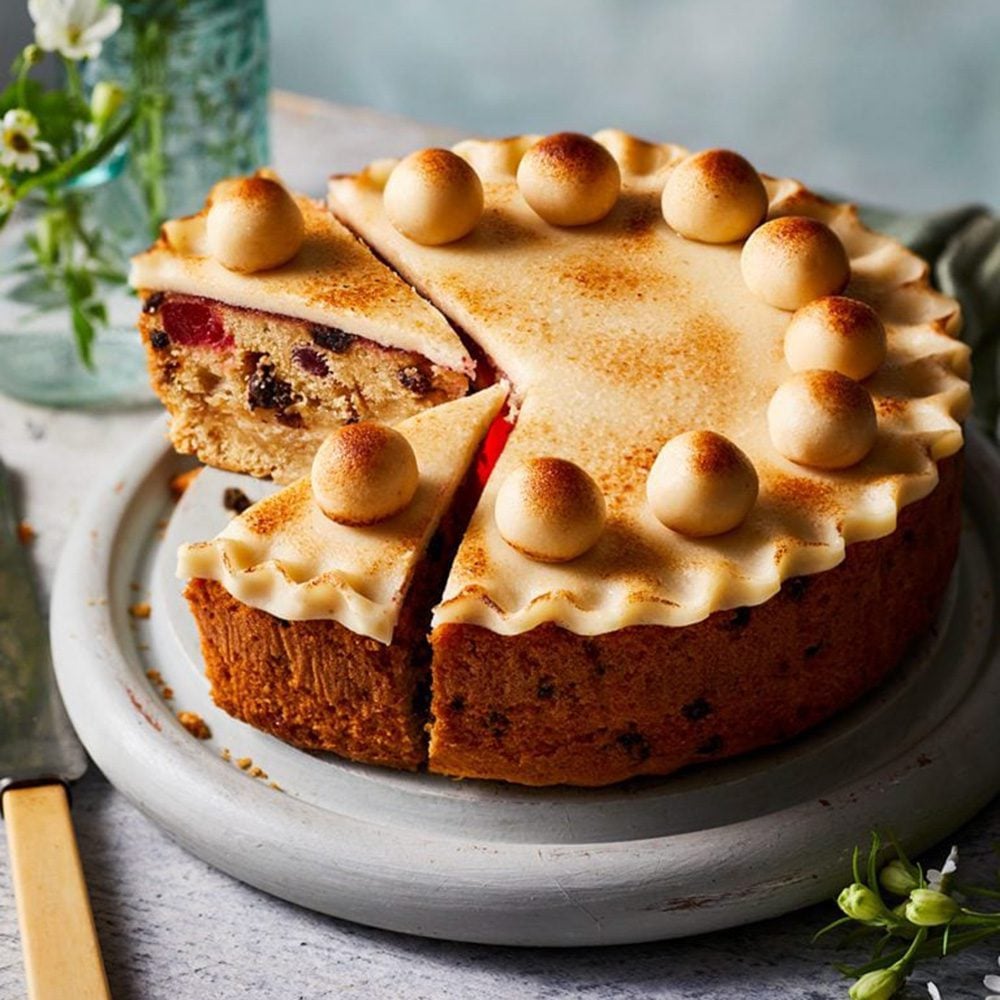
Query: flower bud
pixel 107 97
pixel 880 984
pixel 860 903
pixel 32 55
pixel 898 878
pixel 930 908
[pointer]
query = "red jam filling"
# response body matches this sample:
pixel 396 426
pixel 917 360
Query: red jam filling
pixel 493 444
pixel 194 324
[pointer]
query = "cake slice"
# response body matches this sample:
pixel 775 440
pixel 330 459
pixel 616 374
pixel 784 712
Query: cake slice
pixel 255 364
pixel 315 630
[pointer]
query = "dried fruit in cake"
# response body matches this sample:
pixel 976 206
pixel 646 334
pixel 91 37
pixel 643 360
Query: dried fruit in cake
pixel 268 324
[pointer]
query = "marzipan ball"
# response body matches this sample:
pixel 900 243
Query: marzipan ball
pixel 822 419
pixel 550 510
pixel 433 196
pixel 569 179
pixel 714 196
pixel 839 334
pixel 364 473
pixel 253 224
pixel 792 260
pixel 701 484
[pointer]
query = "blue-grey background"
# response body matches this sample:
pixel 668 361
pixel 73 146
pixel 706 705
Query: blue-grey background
pixel 895 101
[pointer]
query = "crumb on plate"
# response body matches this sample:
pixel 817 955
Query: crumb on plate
pixel 195 725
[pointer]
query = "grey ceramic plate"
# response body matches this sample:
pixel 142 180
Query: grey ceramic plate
pixel 477 861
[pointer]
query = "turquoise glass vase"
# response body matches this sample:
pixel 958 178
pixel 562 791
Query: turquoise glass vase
pixel 198 73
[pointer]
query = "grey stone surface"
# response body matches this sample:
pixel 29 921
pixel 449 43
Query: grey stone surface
pixel 174 929
pixel 171 927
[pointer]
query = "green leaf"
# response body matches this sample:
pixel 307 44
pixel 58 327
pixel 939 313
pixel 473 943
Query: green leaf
pixel 829 927
pixel 84 333
pixel 109 275
pixel 35 290
pixel 98 312
pixel 873 863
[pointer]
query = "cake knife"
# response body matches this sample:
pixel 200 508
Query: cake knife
pixel 39 756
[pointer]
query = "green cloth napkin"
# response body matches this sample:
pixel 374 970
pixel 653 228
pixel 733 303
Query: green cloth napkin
pixel 963 248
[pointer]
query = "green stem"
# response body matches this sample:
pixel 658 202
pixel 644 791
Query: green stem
pixel 23 70
pixel 977 890
pixel 926 949
pixel 149 74
pixel 73 82
pixel 79 163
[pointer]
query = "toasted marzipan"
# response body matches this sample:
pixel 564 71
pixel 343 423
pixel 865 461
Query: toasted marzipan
pixel 619 335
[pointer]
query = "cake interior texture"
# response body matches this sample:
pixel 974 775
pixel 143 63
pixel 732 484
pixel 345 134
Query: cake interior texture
pixel 257 393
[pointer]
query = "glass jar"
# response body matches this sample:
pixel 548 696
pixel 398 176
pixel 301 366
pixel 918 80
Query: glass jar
pixel 198 71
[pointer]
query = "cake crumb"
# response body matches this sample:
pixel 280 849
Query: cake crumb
pixel 180 483
pixel 275 786
pixel 258 772
pixel 244 763
pixel 156 679
pixel 26 534
pixel 235 500
pixel 195 725
pixel 141 609
pixel 225 754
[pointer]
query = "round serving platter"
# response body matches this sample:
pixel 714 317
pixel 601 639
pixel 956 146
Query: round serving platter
pixel 713 847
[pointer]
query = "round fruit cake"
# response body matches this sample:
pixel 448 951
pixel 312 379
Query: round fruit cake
pixel 703 494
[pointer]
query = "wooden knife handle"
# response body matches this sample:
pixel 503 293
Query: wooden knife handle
pixel 62 956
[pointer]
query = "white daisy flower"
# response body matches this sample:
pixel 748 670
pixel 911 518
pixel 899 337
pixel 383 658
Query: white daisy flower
pixel 75 29
pixel 992 983
pixel 19 145
pixel 950 866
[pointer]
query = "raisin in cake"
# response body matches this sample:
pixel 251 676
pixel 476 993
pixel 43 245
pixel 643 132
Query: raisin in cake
pixel 257 359
pixel 729 498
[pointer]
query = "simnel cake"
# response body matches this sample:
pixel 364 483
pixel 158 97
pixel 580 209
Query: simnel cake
pixel 699 491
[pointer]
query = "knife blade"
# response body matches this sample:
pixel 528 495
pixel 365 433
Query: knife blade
pixel 39 756
pixel 37 741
